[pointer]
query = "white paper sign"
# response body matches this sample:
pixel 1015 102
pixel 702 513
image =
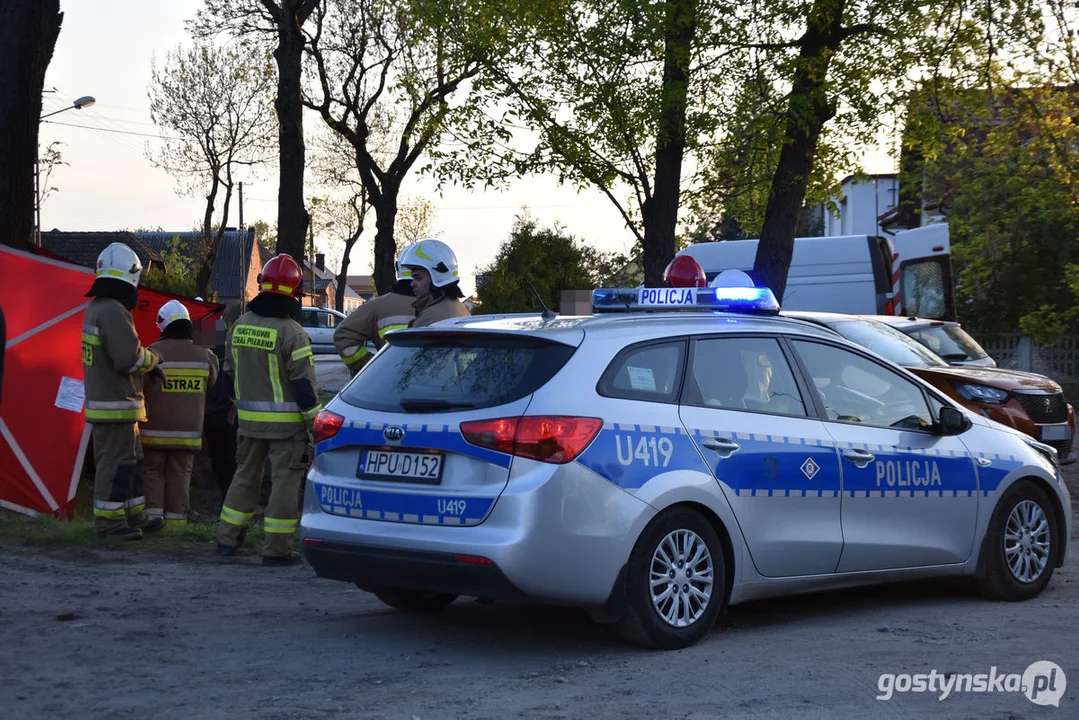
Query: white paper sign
pixel 71 395
pixel 641 379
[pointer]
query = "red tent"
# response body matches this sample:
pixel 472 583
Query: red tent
pixel 43 433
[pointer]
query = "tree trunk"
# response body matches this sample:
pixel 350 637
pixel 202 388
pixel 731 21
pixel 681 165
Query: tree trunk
pixel 212 244
pixel 661 210
pixel 342 277
pixel 292 217
pixel 385 272
pixel 28 32
pixel 808 110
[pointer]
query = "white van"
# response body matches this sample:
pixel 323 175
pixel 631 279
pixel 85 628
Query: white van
pixel 909 273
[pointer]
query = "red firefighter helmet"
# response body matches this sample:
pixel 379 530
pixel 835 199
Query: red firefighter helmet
pixel 684 272
pixel 283 276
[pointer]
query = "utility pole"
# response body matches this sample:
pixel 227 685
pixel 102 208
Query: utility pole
pixel 245 268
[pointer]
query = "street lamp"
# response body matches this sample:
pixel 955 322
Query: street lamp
pixel 79 104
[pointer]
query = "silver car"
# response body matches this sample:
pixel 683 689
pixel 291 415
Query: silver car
pixel 320 323
pixel 656 468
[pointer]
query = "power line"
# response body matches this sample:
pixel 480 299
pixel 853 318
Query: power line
pixel 110 130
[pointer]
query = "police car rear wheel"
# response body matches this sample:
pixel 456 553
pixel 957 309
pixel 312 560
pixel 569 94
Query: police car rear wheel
pixel 1021 545
pixel 676 582
pixel 408 600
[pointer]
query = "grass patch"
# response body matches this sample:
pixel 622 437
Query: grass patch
pixel 18 530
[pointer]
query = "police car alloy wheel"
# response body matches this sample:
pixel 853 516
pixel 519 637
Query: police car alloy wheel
pixel 1020 544
pixel 676 585
pixel 408 600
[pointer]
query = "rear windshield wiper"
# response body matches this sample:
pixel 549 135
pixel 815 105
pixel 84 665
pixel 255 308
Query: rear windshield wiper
pixel 422 404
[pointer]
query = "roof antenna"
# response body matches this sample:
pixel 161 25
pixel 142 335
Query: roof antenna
pixel 548 315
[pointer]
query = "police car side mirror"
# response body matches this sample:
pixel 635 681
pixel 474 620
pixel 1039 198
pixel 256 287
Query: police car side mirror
pixel 952 421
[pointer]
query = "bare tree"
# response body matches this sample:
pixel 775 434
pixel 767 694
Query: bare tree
pixel 377 64
pixel 213 105
pixel 415 221
pixel 334 166
pixel 282 21
pixel 28 32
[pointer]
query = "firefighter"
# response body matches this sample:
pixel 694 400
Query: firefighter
pixel 370 323
pixel 113 365
pixel 172 433
pixel 219 423
pixel 271 370
pixel 434 281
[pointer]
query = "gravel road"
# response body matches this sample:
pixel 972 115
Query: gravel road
pixel 143 633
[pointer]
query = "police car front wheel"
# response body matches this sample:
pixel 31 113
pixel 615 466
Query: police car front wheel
pixel 1020 544
pixel 676 584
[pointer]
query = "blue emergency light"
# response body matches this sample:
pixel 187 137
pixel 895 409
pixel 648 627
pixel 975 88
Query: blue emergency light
pixel 746 300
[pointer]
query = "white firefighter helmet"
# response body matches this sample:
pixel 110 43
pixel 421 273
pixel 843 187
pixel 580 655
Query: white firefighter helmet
pixel 404 273
pixel 120 262
pixel 434 256
pixel 170 312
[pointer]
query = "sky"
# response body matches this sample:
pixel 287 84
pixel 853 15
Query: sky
pixel 107 183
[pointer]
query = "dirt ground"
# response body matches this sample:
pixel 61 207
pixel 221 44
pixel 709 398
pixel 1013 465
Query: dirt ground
pixel 140 633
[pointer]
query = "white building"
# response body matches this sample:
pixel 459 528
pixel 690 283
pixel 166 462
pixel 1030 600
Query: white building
pixel 861 203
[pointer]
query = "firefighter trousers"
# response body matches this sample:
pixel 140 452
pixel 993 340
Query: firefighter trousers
pixel 289 459
pixel 168 483
pixel 118 477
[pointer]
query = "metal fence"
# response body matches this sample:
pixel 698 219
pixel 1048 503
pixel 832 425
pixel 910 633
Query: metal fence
pixel 1019 352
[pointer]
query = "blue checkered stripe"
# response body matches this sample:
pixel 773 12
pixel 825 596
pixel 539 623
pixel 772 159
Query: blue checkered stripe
pixel 959 478
pixel 618 455
pixel 421 436
pixel 403 507
pixel 775 465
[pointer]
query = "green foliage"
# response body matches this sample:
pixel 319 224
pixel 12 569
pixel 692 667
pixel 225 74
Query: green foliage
pixel 992 144
pixel 178 275
pixel 552 261
pixel 266 235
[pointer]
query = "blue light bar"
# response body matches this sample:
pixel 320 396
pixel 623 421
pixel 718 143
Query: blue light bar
pixel 748 300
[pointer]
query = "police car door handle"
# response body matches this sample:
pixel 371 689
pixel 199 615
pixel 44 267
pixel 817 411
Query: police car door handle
pixel 725 447
pixel 860 458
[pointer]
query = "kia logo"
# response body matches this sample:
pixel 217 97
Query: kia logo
pixel 393 433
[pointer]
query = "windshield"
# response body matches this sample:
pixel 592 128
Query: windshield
pixel 888 342
pixel 951 342
pixel 446 372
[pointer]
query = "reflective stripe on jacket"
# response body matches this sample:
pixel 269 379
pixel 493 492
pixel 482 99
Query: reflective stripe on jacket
pixel 175 410
pixel 112 363
pixel 264 355
pixel 369 323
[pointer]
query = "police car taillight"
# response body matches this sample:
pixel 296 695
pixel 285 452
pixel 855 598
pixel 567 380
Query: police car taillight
pixel 326 425
pixel 547 438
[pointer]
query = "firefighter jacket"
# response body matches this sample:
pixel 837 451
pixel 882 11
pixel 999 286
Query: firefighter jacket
pixel 370 323
pixel 428 312
pixel 175 409
pixel 113 360
pixel 273 371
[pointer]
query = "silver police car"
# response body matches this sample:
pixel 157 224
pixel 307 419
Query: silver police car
pixel 655 467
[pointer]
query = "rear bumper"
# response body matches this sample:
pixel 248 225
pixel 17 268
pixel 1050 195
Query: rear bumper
pixel 374 567
pixel 559 537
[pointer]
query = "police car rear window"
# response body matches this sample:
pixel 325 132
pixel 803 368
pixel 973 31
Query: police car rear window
pixel 449 372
